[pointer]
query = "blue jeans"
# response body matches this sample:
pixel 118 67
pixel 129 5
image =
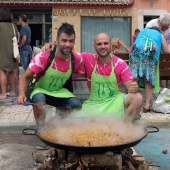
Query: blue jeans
pixel 59 103
pixel 25 58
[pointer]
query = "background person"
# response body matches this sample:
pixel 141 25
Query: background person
pixel 135 35
pixel 24 41
pixel 117 44
pixel 8 62
pixel 163 23
pixel 49 89
pixel 144 61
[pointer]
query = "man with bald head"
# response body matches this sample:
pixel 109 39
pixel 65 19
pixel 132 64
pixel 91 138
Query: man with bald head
pixel 105 73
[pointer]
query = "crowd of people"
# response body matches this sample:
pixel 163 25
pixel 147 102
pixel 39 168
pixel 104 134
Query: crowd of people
pixel 105 72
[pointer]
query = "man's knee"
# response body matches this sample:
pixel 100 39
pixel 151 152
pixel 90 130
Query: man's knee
pixel 38 97
pixel 135 98
pixel 74 103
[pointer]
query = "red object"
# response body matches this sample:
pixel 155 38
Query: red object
pixel 133 38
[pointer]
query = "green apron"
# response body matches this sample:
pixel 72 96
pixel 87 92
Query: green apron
pixel 105 97
pixel 52 83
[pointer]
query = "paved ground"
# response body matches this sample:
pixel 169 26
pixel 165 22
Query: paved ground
pixel 16 149
pixel 13 114
pixel 152 148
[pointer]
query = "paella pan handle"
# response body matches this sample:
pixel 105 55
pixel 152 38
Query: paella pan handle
pixel 29 131
pixel 152 127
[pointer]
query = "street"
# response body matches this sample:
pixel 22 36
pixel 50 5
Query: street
pixel 16 149
pixel 152 148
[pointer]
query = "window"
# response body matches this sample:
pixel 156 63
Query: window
pixel 115 27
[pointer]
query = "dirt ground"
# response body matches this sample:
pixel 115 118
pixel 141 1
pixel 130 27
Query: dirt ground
pixel 16 149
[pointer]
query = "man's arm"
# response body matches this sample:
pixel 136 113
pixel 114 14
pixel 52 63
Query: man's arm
pixel 23 84
pixel 22 41
pixel 132 86
pixel 165 48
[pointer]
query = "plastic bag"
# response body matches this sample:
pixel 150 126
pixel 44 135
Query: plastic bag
pixel 162 103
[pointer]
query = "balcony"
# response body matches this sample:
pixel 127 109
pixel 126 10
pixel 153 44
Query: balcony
pixel 65 2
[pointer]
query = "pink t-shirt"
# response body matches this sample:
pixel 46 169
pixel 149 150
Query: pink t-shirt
pixel 39 62
pixel 121 69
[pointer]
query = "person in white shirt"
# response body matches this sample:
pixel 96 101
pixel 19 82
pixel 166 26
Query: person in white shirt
pixel 163 22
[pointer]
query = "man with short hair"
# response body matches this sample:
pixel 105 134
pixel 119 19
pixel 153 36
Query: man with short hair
pixel 24 41
pixel 50 87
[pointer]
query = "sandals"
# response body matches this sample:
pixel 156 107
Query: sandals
pixel 3 98
pixel 10 94
pixel 146 110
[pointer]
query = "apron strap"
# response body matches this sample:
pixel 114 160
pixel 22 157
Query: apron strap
pixel 95 67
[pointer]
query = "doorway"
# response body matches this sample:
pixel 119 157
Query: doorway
pixel 36 34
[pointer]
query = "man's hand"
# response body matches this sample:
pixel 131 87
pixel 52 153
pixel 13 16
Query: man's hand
pixel 21 99
pixel 48 47
pixel 133 87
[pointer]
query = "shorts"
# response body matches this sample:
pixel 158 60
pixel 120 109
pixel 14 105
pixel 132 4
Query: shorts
pixel 59 103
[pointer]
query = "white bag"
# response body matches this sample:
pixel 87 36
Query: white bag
pixel 15 46
pixel 162 103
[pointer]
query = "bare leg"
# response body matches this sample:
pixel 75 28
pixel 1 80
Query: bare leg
pixel 17 72
pixel 39 113
pixel 148 93
pixel 133 105
pixel 13 80
pixel 3 82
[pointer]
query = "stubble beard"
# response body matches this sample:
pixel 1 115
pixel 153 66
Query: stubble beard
pixel 104 55
pixel 63 52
